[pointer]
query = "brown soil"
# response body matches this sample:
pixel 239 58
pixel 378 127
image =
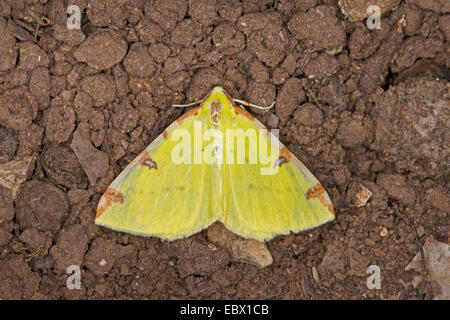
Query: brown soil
pixel 355 105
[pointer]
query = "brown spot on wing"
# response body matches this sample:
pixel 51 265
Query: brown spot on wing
pixel 286 153
pixel 318 192
pixel 330 208
pixel 111 195
pixel 147 161
pixel 100 211
pixel 165 134
pixel 315 192
pixel 192 112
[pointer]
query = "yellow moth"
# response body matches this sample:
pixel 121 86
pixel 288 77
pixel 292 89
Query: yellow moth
pixel 215 163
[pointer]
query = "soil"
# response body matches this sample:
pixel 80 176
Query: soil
pixel 356 106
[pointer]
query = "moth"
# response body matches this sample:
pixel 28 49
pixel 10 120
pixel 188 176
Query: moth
pixel 216 162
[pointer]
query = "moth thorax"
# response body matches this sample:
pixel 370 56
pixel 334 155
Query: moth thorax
pixel 216 107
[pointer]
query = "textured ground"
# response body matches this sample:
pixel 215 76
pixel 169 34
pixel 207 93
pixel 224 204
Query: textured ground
pixel 357 106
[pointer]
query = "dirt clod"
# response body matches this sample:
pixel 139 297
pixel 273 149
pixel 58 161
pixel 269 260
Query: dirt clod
pixel 59 123
pixel 32 56
pixel 211 258
pixel 62 166
pixel 7 209
pixel 15 112
pixel 100 87
pixel 320 28
pixel 16 172
pixel 94 162
pixel 397 187
pixel 102 50
pixel 138 61
pixel 358 10
pixel 8 49
pixel 415 112
pixel 250 251
pixel 70 247
pixel 41 205
pixel 8 144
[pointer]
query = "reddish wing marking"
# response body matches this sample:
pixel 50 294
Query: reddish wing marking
pixel 145 160
pixel 216 107
pixel 330 208
pixel 315 192
pixel 318 192
pixel 286 154
pixel 111 195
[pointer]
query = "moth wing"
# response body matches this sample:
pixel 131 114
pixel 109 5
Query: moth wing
pixel 261 206
pixel 153 196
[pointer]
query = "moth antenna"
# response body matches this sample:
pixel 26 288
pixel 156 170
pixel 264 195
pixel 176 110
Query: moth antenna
pixel 195 103
pixel 247 104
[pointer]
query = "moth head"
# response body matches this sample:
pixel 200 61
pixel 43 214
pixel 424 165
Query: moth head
pixel 217 101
